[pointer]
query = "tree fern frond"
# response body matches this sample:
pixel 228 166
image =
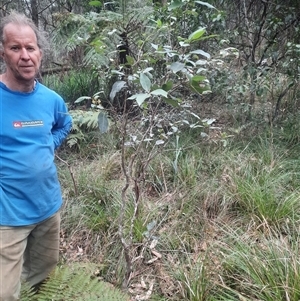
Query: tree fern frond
pixel 76 30
pixel 95 58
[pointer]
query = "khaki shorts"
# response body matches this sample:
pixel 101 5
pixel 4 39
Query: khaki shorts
pixel 27 253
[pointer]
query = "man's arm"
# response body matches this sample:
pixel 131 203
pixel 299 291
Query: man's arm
pixel 62 126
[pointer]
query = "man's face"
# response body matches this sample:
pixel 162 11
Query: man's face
pixel 21 52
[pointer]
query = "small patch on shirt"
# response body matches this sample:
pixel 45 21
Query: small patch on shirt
pixel 23 124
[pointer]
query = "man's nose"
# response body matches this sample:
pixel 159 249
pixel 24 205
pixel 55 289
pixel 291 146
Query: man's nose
pixel 24 54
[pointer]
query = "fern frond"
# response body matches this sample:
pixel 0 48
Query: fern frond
pixel 74 282
pixel 90 120
pixel 27 292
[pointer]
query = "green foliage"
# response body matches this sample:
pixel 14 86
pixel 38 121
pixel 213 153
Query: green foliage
pixel 73 84
pixel 98 197
pixel 98 34
pixel 181 57
pixel 213 197
pixel 182 69
pixel 290 126
pixel 86 121
pixel 265 37
pixel 183 17
pixel 74 283
pixel 263 199
pixel 80 30
pixel 195 281
pixel 27 292
pixel 232 212
pixel 261 270
pixel 83 121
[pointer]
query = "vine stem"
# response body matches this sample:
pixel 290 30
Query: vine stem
pixel 71 173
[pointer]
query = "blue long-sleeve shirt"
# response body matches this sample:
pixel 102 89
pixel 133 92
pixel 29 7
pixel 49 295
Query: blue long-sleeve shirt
pixel 32 126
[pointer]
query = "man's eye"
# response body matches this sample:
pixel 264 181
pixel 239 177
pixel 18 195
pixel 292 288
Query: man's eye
pixel 15 48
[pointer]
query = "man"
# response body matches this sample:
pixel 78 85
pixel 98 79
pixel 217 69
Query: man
pixel 33 122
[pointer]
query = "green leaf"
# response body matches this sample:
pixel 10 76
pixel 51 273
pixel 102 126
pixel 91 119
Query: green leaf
pixel 160 92
pixel 95 3
pixel 151 225
pixel 117 72
pixel 154 46
pixel 103 122
pixel 129 60
pixel 159 23
pixel 196 35
pixel 177 66
pixel 167 86
pixel 82 98
pixel 176 4
pixel 184 44
pixel 209 121
pixel 195 115
pixel 200 87
pixel 172 102
pixel 148 69
pixel 198 78
pixel 201 52
pixel 209 37
pixel 140 98
pixel 145 82
pixel 159 142
pixel 205 3
pixel 117 87
pixel 199 84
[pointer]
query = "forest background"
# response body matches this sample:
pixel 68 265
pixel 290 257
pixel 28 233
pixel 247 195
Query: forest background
pixel 180 176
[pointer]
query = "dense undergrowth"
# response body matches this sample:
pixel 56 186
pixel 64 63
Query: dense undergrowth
pixel 194 196
pixel 215 220
pixel 190 191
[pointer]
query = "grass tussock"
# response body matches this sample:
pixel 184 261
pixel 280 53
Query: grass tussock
pixel 206 221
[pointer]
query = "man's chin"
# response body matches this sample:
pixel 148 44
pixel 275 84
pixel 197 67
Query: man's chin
pixel 27 77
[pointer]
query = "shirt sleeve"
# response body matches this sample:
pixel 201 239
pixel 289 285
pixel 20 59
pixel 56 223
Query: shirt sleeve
pixel 62 125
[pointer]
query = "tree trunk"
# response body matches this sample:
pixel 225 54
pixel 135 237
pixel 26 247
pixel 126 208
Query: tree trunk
pixel 34 12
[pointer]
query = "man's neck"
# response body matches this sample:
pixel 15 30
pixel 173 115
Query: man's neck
pixel 15 85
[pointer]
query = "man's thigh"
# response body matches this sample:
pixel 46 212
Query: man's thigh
pixel 12 246
pixel 42 251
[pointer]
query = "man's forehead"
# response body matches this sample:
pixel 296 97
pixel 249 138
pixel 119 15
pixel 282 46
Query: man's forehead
pixel 16 32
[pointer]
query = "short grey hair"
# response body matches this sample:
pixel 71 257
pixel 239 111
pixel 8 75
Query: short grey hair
pixel 20 19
